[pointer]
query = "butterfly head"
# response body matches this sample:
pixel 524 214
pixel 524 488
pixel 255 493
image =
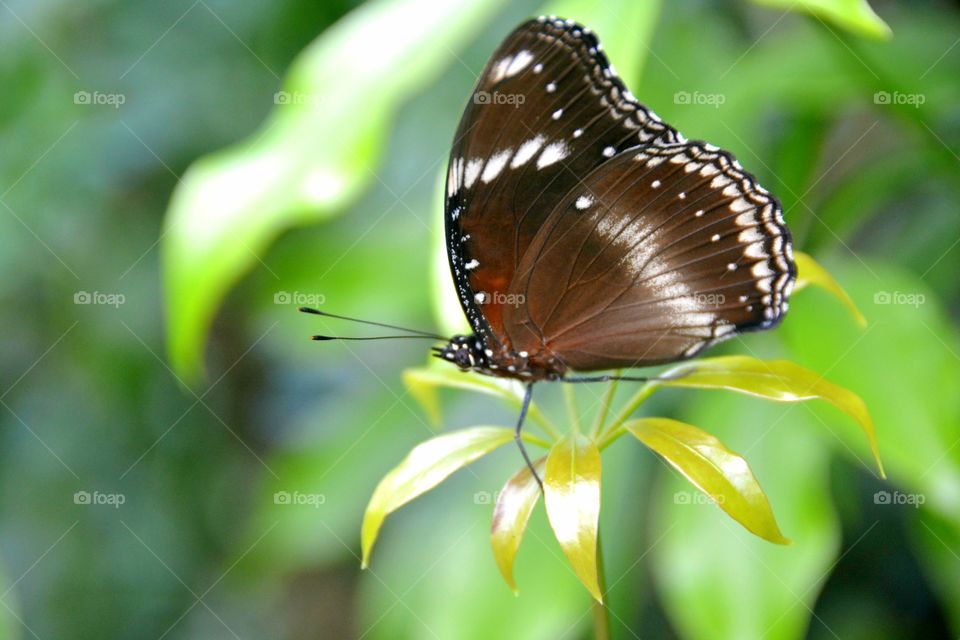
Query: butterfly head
pixel 464 351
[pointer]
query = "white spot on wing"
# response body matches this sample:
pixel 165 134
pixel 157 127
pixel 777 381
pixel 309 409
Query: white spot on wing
pixel 557 114
pixel 609 151
pixel 553 152
pixel 526 151
pixel 495 165
pixel 473 170
pixel 583 202
pixel 519 63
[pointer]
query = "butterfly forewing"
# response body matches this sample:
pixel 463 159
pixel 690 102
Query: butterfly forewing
pixel 651 258
pixel 546 111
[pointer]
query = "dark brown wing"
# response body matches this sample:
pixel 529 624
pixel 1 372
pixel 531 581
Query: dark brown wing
pixel 657 254
pixel 546 110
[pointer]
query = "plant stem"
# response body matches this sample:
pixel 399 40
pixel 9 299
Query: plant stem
pixel 601 615
pixel 604 409
pixel 638 398
pixel 573 411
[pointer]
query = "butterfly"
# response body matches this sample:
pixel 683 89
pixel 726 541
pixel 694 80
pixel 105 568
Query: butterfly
pixel 585 234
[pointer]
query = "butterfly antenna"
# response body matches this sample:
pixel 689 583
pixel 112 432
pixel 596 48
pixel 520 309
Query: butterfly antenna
pixel 321 337
pixel 326 314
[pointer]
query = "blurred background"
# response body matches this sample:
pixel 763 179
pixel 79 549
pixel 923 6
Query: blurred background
pixel 177 177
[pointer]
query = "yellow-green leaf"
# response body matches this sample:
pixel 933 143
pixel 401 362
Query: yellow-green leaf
pixel 423 382
pixel 855 15
pixel 809 272
pixel 572 496
pixel 778 380
pixel 515 502
pixel 426 466
pixel 720 473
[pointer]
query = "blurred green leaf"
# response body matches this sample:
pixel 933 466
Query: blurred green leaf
pixel 514 504
pixel 572 495
pixel 711 467
pixel 855 15
pixel 779 380
pixel 316 152
pixel 426 466
pixel 718 581
pixel 809 272
pixel 906 365
pixel 938 540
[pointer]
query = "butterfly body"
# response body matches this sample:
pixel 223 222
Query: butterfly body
pixel 469 354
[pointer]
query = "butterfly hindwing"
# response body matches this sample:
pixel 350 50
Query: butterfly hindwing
pixel 655 255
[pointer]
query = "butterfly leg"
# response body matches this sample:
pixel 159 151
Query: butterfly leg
pixel 527 396
pixel 608 378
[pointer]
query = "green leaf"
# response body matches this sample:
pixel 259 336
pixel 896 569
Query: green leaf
pixel 854 15
pixel 515 502
pixel 423 382
pixel 426 466
pixel 809 272
pixel 314 155
pixel 907 365
pixel 572 496
pixel 717 580
pixel 778 380
pixel 711 467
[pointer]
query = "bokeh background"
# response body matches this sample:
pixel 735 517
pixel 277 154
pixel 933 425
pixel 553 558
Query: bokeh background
pixel 158 388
